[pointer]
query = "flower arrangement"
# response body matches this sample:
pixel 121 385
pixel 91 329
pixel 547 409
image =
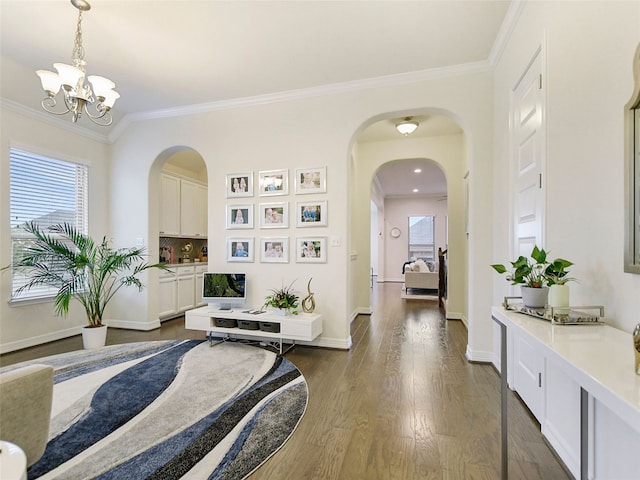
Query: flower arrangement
pixel 536 271
pixel 283 298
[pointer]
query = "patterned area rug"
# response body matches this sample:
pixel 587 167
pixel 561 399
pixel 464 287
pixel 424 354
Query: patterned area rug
pixel 169 410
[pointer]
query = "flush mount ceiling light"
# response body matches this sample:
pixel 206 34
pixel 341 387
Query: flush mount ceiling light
pixel 77 95
pixel 407 126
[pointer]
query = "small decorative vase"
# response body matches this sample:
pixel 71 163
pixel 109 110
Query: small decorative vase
pixel 282 312
pixel 636 347
pixel 94 337
pixel 534 297
pixel 559 298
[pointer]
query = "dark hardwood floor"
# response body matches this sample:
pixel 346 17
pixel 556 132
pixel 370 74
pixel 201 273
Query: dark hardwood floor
pixel 403 403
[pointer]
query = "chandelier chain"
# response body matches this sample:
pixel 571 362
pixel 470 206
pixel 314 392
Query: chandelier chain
pixel 78 50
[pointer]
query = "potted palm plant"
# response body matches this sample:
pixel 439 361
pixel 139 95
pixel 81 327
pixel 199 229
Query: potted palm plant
pixel 79 268
pixel 283 299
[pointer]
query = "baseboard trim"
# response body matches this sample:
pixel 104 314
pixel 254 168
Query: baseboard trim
pixel 478 356
pixel 129 325
pixel 40 339
pixel 454 316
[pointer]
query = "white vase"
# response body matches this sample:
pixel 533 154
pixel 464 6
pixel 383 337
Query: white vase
pixel 94 337
pixel 534 297
pixel 559 298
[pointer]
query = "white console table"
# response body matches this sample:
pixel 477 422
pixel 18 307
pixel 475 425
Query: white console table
pixel 304 326
pixel 579 381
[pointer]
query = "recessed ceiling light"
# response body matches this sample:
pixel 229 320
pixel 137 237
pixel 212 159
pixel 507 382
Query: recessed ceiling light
pixel 415 190
pixel 417 170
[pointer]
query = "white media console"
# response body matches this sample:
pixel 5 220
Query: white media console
pixel 304 327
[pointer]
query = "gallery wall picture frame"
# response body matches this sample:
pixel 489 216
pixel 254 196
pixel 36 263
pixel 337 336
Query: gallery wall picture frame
pixel 311 249
pixel 274 249
pixel 240 249
pixel 239 216
pixel 239 184
pixel 311 180
pixel 274 182
pixel 274 215
pixel 311 214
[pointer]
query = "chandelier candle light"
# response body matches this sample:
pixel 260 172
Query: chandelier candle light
pixel 78 96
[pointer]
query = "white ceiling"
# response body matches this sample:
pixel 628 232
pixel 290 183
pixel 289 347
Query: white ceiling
pixel 172 54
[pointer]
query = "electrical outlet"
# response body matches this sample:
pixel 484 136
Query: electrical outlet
pixel 139 242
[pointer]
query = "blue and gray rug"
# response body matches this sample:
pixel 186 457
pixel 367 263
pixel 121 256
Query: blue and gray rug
pixel 169 410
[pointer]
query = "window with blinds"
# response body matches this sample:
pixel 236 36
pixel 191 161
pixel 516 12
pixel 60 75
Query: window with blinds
pixel 46 191
pixel 421 238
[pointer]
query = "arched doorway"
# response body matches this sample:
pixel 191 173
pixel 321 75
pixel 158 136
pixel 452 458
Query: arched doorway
pixel 178 229
pixel 379 144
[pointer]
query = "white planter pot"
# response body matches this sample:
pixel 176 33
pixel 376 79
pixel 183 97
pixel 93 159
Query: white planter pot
pixel 534 297
pixel 94 337
pixel 559 298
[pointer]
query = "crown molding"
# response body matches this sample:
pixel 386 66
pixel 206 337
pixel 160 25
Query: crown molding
pixel 52 120
pixel 324 90
pixel 303 93
pixel 506 29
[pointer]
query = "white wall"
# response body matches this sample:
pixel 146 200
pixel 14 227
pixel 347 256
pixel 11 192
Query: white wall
pixel 588 49
pixel 31 324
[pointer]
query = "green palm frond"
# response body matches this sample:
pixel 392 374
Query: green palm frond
pixel 79 268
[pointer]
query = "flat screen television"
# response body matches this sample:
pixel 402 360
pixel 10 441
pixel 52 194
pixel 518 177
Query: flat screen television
pixel 224 291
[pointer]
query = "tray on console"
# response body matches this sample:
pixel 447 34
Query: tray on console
pixel 578 315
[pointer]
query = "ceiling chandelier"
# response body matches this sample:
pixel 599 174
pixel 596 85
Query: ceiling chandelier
pixel 78 96
pixel 407 126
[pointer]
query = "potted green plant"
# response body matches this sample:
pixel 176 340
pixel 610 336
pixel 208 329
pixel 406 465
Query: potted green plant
pixel 557 278
pixel 79 268
pixel 529 273
pixel 283 299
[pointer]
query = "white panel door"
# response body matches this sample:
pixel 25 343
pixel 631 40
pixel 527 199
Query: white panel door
pixel 528 140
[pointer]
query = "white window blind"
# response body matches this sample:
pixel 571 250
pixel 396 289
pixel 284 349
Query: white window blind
pixel 46 191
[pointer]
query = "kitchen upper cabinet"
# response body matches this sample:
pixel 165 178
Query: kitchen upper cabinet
pixel 169 205
pixel 193 209
pixel 183 207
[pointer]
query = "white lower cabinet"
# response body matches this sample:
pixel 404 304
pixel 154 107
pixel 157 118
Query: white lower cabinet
pixel 528 376
pixel 549 366
pixel 180 290
pixel 168 293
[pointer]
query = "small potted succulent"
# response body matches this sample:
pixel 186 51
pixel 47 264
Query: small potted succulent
pixel 283 299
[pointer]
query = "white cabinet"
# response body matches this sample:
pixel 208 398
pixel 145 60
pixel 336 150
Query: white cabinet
pixel 193 209
pixel 186 288
pixel 528 371
pixel 169 205
pixel 200 270
pixel 183 207
pixel 168 291
pixel 180 289
pixel 579 382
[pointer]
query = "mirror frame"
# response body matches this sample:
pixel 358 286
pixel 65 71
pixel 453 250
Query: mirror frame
pixel 632 174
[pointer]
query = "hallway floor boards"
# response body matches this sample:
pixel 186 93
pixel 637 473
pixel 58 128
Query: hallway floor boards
pixel 403 403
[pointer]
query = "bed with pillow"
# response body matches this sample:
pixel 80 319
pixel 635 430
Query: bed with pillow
pixel 421 275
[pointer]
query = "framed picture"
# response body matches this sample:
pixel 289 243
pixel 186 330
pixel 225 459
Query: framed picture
pixel 240 184
pixel 311 214
pixel 274 215
pixel 239 216
pixel 274 182
pixel 274 249
pixel 311 249
pixel 311 180
pixel 239 249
